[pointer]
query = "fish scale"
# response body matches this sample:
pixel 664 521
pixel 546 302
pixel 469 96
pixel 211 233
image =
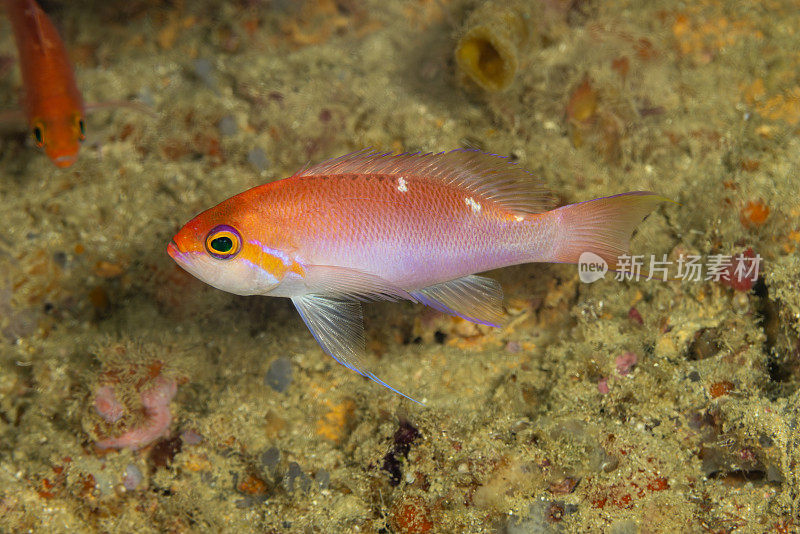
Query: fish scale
pixel 367 223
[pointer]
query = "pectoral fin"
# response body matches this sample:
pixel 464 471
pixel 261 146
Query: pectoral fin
pixel 351 284
pixel 474 298
pixel 338 326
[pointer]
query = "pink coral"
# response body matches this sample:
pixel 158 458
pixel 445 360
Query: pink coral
pixel 156 405
pixel 625 362
pixel 602 386
pixel 107 405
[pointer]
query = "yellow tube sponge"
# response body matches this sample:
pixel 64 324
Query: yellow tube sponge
pixel 495 37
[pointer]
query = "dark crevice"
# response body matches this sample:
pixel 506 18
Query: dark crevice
pixel 781 344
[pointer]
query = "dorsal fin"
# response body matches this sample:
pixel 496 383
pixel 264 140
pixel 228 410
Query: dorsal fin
pixel 37 19
pixel 486 176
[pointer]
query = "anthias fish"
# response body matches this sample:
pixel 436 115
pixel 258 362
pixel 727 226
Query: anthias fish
pixel 370 226
pixel 52 102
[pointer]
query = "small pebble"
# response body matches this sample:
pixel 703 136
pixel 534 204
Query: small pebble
pixel 190 437
pixel 279 375
pixel 271 457
pixel 60 259
pixel 609 464
pixel 145 96
pixel 227 126
pixel 244 504
pixel 132 478
pixel 203 70
pixel 258 159
pixel 293 474
pixel 774 474
pixel 323 479
pixel 740 303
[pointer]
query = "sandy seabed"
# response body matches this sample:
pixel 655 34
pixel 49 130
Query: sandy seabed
pixel 618 406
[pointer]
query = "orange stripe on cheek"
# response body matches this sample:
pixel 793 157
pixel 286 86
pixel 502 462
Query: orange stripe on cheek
pixel 272 264
pixel 297 269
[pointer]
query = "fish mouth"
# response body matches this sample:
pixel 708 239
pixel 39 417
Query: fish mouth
pixel 65 160
pixel 174 251
pixel 191 262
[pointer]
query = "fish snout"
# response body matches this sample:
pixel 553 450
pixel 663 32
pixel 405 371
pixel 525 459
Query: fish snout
pixel 183 244
pixel 65 161
pixel 173 250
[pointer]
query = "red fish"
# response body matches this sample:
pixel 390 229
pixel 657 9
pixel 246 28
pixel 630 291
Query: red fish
pixel 52 103
pixel 369 226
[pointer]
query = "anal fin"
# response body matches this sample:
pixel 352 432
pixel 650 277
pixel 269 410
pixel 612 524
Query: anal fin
pixel 474 298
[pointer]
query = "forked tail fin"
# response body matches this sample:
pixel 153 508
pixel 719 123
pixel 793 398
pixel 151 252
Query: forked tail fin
pixel 602 226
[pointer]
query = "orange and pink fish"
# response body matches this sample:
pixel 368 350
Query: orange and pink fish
pixel 52 103
pixel 370 226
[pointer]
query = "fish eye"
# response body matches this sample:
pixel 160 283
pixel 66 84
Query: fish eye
pixel 38 134
pixel 81 129
pixel 223 242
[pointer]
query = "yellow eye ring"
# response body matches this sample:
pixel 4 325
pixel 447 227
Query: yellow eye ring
pixel 223 242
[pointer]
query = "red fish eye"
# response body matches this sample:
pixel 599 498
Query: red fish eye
pixel 223 242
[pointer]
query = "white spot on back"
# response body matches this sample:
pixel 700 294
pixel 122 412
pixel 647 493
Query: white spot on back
pixel 474 206
pixel 402 186
pixel 519 218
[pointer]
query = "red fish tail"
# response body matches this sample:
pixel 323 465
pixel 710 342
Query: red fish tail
pixel 602 226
